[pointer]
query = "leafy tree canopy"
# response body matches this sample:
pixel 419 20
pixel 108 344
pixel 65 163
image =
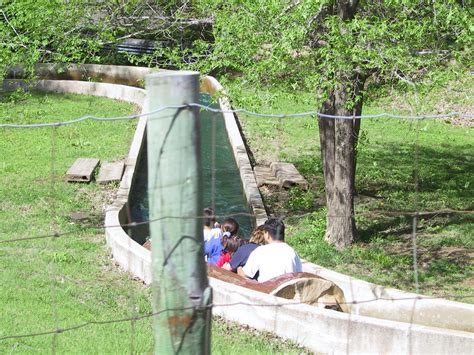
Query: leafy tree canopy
pixel 298 44
pixel 307 45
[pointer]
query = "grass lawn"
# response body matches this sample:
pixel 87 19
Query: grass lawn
pixel 392 156
pixel 52 283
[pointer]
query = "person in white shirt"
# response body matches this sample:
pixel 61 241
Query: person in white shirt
pixel 273 259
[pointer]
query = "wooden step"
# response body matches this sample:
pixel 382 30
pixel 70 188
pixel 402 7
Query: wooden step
pixel 82 170
pixel 264 176
pixel 110 172
pixel 288 175
pixel 279 174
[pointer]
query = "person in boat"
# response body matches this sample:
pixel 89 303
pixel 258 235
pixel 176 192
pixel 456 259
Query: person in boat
pixel 240 257
pixel 210 226
pixel 229 229
pixel 230 245
pixel 212 237
pixel 273 259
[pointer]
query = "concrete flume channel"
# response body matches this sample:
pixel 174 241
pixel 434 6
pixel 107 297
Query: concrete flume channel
pixel 381 320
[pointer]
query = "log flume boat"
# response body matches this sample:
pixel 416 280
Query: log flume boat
pixel 302 287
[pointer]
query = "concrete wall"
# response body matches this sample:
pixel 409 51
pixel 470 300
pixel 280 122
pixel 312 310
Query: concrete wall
pixel 388 303
pixel 111 91
pixel 114 74
pixel 391 325
pixel 330 332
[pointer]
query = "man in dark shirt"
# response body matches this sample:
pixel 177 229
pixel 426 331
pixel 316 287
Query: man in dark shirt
pixel 240 257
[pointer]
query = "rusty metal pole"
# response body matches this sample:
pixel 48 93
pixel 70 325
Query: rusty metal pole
pixel 181 293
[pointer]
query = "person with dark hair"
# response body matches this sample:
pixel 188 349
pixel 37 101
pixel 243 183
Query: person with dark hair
pixel 274 259
pixel 230 227
pixel 212 237
pixel 242 254
pixel 230 246
pixel 210 230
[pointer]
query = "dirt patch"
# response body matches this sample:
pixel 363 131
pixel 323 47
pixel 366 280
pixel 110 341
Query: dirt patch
pixel 278 201
pixel 463 122
pixel 230 328
pixel 80 216
pixel 274 199
pixel 26 209
pixel 456 253
pixel 98 200
pixel 469 283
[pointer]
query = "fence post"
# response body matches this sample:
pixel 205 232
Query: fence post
pixel 180 285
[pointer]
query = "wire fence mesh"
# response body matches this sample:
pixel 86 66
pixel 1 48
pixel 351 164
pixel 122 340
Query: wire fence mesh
pixel 412 184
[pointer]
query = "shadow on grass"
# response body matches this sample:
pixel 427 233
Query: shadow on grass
pixel 387 179
pixel 391 168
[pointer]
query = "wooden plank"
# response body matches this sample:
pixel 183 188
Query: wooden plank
pixel 110 172
pixel 264 176
pixel 279 174
pixel 82 170
pixel 288 175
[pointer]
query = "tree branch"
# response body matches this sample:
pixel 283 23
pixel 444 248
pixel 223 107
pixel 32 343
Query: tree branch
pixel 403 79
pixel 13 28
pixel 289 7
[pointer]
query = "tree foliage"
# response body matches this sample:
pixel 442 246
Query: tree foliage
pixel 307 45
pixel 298 44
pixel 85 31
pixel 34 31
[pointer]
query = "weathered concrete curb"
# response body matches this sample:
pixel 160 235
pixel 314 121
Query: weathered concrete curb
pixel 392 304
pixel 319 330
pixel 130 255
pixel 332 332
pixel 114 74
pixel 111 91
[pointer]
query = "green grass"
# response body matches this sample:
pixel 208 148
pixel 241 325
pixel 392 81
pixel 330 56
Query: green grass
pixel 393 157
pixel 230 338
pixel 51 283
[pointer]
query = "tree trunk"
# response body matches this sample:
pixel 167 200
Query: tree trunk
pixel 338 139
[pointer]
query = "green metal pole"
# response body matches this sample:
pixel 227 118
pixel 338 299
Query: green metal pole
pixel 181 291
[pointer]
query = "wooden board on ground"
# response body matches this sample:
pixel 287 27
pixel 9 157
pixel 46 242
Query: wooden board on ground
pixel 265 176
pixel 110 172
pixel 82 170
pixel 279 174
pixel 288 175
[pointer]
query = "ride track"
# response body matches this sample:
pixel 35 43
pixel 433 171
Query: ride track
pixel 380 320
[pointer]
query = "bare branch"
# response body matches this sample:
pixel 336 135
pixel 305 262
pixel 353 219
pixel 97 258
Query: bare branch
pixel 290 7
pixel 403 79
